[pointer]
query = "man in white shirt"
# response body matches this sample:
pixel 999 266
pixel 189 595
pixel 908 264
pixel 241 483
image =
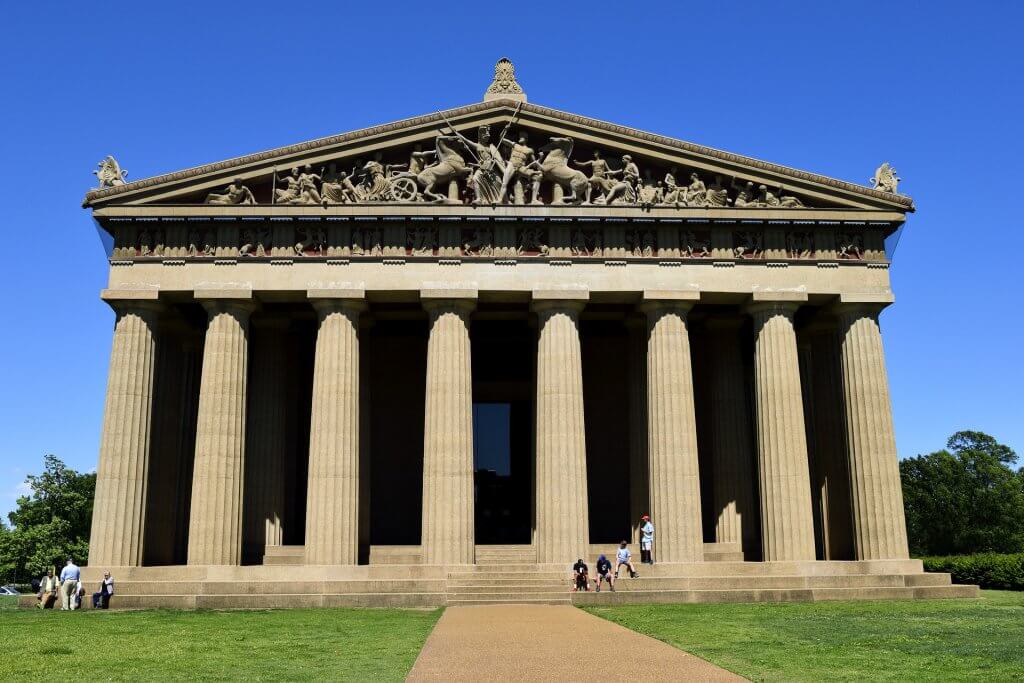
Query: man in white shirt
pixel 47 590
pixel 646 540
pixel 101 598
pixel 69 578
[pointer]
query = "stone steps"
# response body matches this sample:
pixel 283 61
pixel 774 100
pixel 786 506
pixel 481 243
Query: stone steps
pixel 620 597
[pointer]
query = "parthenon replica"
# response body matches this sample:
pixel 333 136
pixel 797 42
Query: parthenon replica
pixel 436 361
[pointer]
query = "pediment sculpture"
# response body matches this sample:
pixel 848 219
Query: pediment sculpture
pixel 509 170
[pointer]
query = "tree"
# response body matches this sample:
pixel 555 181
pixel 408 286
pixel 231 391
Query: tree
pixel 964 499
pixel 49 524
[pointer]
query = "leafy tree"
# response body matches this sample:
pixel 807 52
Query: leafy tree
pixel 50 524
pixel 964 499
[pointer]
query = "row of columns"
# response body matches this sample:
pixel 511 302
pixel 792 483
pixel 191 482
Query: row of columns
pixel 668 460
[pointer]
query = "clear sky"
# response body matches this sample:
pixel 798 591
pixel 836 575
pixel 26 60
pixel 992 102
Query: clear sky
pixel 833 88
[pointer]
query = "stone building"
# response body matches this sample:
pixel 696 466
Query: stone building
pixel 397 365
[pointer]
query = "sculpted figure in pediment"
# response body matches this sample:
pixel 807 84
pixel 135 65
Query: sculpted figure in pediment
pixel 450 165
pixel 554 166
pixel 625 190
pixel 672 194
pixel 337 188
pixel 519 169
pixel 489 167
pixel 599 179
pixel 235 193
pixel 290 192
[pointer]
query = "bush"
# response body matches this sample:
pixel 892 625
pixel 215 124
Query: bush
pixel 988 570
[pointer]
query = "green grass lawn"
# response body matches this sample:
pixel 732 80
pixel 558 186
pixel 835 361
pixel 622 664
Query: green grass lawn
pixel 277 645
pixel 923 640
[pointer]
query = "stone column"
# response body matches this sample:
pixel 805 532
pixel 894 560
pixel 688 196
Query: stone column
pixel 879 524
pixel 787 528
pixel 447 524
pixel 639 500
pixel 332 495
pixel 265 438
pixel 215 523
pixel 732 437
pixel 562 533
pixel 672 430
pixel 118 523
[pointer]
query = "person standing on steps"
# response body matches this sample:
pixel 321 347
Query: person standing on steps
pixel 646 540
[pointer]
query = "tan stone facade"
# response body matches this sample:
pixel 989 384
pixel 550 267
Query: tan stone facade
pixel 691 354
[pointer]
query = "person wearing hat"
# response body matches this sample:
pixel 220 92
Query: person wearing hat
pixel 604 573
pixel 646 540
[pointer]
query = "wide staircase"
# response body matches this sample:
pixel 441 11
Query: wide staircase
pixel 507 574
pixel 511 575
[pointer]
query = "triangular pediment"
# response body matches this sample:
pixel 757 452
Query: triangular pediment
pixel 705 177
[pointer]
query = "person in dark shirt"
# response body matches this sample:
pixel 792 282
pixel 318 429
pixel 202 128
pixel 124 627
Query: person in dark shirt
pixel 604 572
pixel 581 576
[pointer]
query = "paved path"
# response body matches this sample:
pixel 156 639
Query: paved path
pixel 549 642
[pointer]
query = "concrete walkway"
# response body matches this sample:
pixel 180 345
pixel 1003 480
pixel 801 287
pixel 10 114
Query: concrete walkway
pixel 546 643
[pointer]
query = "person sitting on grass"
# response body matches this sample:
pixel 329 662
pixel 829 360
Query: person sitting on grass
pixel 581 576
pixel 624 557
pixel 604 573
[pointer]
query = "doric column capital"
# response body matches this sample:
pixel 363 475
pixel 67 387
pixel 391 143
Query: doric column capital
pixel 656 303
pixel 143 302
pixel 571 301
pixel 337 299
pixel 453 305
pixel 765 303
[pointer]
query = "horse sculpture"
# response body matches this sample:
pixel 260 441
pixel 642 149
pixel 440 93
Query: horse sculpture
pixel 450 166
pixel 554 165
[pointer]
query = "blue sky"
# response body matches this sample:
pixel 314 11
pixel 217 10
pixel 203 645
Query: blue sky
pixel 834 88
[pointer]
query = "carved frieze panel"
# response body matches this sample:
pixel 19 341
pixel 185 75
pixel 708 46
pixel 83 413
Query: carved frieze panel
pixel 800 244
pixel 532 240
pixel 587 242
pixel 695 243
pixel 850 245
pixel 421 240
pixel 747 244
pixel 478 241
pixel 642 241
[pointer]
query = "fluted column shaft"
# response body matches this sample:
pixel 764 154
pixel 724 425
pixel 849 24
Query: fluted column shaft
pixel 732 438
pixel 879 524
pixel 118 524
pixel 639 500
pixel 215 523
pixel 672 435
pixel 562 533
pixel 332 495
pixel 787 527
pixel 447 523
pixel 265 438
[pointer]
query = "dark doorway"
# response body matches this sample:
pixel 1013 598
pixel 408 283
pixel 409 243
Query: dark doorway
pixel 503 352
pixel 501 464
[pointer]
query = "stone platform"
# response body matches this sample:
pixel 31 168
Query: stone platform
pixel 498 579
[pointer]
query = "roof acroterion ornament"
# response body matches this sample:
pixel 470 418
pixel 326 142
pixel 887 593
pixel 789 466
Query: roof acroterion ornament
pixel 110 173
pixel 885 179
pixel 504 86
